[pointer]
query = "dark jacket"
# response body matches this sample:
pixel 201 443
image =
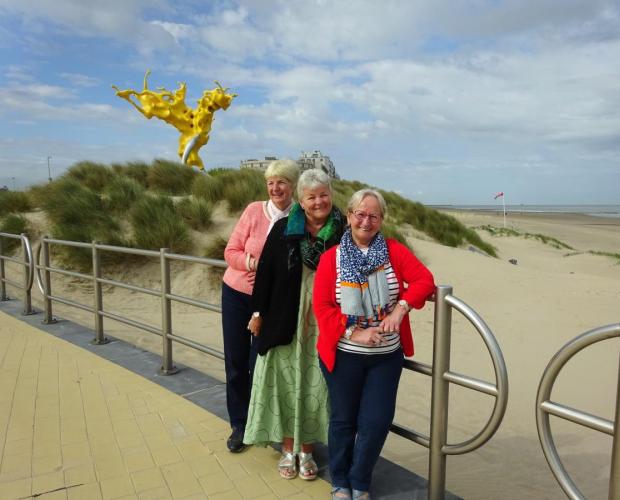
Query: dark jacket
pixel 277 288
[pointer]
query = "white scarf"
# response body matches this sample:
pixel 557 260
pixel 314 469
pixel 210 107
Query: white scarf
pixel 274 214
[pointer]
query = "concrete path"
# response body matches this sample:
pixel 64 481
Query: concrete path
pixel 76 426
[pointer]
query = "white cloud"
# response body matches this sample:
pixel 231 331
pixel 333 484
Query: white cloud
pixel 81 80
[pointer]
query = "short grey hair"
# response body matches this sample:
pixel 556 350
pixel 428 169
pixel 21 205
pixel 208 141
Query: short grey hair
pixel 313 178
pixel 359 196
pixel 287 169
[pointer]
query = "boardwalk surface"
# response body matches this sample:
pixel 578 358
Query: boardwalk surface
pixel 79 421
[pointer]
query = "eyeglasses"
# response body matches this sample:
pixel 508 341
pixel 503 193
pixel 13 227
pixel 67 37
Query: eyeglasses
pixel 360 216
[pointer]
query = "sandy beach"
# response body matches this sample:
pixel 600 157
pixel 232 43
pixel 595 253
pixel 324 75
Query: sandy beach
pixel 533 308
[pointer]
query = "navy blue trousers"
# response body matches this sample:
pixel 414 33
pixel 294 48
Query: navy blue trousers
pixel 239 353
pixel 362 394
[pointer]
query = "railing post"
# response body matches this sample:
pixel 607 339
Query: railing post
pixel 27 294
pixel 3 296
pixel 47 283
pixel 98 297
pixel 440 393
pixel 167 367
pixel 614 473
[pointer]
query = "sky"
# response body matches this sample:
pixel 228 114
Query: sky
pixel 442 101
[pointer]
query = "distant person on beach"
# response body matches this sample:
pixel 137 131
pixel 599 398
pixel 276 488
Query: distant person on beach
pixel 289 396
pixel 242 253
pixel 363 292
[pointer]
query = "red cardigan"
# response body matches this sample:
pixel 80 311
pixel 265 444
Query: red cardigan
pixel 408 269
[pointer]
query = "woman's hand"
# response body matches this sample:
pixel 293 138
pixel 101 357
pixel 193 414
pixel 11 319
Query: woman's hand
pixel 391 323
pixel 254 325
pixel 251 277
pixel 370 336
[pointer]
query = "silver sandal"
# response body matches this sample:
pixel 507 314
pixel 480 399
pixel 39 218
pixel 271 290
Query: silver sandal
pixel 308 470
pixel 287 465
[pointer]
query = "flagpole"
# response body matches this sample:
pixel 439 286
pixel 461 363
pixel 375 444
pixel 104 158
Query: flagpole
pixel 504 205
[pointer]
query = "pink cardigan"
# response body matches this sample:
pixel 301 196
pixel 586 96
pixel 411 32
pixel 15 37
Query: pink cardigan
pixel 248 237
pixel 331 321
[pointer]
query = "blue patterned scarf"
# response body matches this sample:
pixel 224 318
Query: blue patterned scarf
pixel 364 293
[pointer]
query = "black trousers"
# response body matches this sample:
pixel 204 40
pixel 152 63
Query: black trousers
pixel 239 353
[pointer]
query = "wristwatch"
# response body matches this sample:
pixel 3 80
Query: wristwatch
pixel 349 331
pixel 256 314
pixel 403 302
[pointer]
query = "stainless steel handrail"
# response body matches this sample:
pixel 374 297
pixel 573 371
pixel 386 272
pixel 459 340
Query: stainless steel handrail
pixel 500 391
pixel 27 263
pixel 439 370
pixel 544 407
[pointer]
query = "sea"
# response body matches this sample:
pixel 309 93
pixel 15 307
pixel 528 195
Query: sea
pixel 595 210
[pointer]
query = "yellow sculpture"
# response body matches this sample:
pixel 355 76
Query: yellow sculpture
pixel 194 124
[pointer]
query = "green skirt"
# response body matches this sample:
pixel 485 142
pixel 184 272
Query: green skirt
pixel 289 394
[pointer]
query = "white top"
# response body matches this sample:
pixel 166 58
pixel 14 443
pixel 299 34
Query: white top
pixel 391 340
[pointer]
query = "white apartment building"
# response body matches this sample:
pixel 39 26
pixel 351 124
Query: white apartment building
pixel 306 161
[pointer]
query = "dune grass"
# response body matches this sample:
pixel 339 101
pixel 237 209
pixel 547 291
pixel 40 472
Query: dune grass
pixel 612 255
pixel 92 175
pixel 237 187
pixel 505 231
pixel 170 177
pixel 13 224
pixel 196 212
pixel 14 202
pixel 122 192
pixel 91 200
pixel 156 224
pixel 138 171
pixel 78 213
pixel 215 250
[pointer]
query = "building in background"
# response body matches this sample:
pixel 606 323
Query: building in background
pixel 306 161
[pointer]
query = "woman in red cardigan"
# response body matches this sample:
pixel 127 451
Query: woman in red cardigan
pixel 364 289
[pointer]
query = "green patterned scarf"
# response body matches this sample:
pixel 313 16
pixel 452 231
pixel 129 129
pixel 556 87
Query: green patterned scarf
pixel 312 248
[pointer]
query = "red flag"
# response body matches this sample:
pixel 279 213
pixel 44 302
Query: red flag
pixel 499 195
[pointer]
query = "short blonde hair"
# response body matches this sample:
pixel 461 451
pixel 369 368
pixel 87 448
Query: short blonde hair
pixel 359 196
pixel 287 169
pixel 313 178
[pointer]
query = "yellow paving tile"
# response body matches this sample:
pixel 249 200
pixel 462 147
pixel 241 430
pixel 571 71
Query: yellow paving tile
pixel 54 495
pixel 15 489
pixel 138 461
pixel 205 466
pixel 90 429
pixel 116 487
pixel 226 495
pixel 47 482
pixel 46 464
pixel 166 455
pixel 90 491
pixel 148 479
pixel 82 474
pixel 252 487
pixel 216 483
pixel 156 494
pixel 181 480
pixel 15 467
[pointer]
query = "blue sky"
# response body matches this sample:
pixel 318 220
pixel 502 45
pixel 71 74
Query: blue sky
pixel 443 101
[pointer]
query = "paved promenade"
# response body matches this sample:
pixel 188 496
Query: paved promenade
pixel 76 426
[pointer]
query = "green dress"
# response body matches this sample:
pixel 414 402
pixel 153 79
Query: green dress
pixel 289 394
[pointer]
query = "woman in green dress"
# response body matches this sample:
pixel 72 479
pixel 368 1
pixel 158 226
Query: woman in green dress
pixel 289 397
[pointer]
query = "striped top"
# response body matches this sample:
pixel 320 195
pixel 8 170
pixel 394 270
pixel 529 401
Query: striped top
pixel 392 340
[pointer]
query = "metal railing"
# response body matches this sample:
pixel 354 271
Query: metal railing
pixel 28 272
pixel 546 407
pixel 442 376
pixel 439 371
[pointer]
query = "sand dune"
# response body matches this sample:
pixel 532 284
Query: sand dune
pixel 533 308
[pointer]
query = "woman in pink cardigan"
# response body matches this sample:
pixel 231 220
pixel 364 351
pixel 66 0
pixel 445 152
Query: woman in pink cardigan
pixel 242 253
pixel 363 291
